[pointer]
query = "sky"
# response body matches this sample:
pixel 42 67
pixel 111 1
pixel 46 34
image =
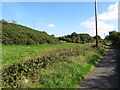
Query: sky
pixel 62 18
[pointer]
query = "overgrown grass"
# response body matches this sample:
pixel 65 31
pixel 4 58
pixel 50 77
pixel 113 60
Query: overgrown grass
pixel 63 66
pixel 16 53
pixel 65 74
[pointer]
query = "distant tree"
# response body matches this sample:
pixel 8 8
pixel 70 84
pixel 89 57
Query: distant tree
pixel 114 37
pixel 68 39
pixel 74 34
pixel 112 32
pixel 53 35
pixel 99 38
pixel 68 36
pixel 78 39
pixel 107 37
pixel 3 21
pixel 73 39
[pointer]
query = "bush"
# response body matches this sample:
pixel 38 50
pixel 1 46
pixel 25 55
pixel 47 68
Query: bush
pixel 114 37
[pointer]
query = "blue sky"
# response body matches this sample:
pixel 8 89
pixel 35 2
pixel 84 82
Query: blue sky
pixel 59 18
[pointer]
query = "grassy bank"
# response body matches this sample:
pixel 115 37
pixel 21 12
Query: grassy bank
pixel 62 67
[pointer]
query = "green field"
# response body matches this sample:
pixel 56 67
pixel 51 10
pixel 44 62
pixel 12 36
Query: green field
pixel 14 53
pixel 62 65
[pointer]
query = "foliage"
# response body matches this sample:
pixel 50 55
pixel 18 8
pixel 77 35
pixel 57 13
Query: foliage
pixel 77 38
pixel 14 34
pixel 114 37
pixel 99 38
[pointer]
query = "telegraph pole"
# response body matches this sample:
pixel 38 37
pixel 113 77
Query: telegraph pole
pixel 104 35
pixel 33 24
pixel 96 23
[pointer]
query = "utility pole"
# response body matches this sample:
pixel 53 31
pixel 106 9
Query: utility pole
pixel 96 23
pixel 33 24
pixel 104 35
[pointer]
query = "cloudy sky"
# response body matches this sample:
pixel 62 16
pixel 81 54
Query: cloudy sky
pixel 62 18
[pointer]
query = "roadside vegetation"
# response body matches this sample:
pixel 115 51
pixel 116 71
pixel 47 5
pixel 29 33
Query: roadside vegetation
pixel 61 67
pixel 114 39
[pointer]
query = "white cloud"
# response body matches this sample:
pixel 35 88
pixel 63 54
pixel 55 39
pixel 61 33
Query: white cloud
pixel 111 14
pixel 103 27
pixel 51 25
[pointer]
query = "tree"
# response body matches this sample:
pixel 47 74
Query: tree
pixel 107 37
pixel 74 34
pixel 99 38
pixel 3 21
pixel 77 39
pixel 73 39
pixel 114 37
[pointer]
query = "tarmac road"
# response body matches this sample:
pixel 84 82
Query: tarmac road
pixel 105 75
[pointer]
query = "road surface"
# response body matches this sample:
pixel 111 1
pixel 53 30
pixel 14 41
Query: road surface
pixel 105 75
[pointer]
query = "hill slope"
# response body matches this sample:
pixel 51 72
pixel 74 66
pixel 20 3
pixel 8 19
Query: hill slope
pixel 14 34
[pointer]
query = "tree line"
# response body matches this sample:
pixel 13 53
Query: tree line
pixel 79 38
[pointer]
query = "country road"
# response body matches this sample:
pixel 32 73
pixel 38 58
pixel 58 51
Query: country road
pixel 105 75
